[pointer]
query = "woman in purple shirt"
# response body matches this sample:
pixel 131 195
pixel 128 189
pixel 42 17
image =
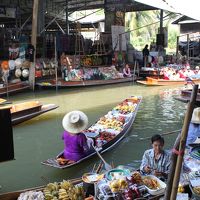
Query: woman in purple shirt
pixel 75 142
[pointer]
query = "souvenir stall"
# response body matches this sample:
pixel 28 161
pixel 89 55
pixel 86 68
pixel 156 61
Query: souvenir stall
pixel 14 76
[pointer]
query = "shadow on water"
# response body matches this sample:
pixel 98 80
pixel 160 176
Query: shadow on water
pixel 40 138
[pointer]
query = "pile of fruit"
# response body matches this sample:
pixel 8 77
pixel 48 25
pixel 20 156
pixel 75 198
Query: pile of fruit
pixel 125 108
pixel 111 123
pixel 106 136
pixel 63 191
pixel 118 185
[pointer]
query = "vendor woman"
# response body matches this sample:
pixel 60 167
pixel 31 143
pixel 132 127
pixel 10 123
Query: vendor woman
pixel 156 161
pixel 77 145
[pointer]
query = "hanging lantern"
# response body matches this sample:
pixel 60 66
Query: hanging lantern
pixel 18 73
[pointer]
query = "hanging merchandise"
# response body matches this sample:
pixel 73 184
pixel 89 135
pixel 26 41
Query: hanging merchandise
pixel 30 53
pixel 25 73
pixel 18 62
pixel 5 65
pixel 18 73
pixel 11 64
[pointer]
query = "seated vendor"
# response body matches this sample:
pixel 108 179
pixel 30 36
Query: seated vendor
pixel 77 145
pixel 127 71
pixel 194 127
pixel 156 161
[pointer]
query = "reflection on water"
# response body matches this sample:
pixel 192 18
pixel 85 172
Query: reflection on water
pixel 40 138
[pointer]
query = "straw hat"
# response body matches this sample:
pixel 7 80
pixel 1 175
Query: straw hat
pixel 74 122
pixel 18 62
pixel 25 73
pixel 196 116
pixel 18 73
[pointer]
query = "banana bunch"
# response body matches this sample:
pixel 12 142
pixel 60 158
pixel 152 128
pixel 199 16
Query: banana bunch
pixel 117 185
pixel 63 191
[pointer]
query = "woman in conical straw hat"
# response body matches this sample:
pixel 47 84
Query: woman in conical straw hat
pixel 76 143
pixel 194 127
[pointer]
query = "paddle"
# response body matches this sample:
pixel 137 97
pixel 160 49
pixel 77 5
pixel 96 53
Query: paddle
pixel 163 134
pixel 106 165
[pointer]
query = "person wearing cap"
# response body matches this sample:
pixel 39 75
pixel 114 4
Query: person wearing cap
pixel 194 127
pixel 156 161
pixel 75 142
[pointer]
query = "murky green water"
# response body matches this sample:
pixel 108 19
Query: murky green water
pixel 40 138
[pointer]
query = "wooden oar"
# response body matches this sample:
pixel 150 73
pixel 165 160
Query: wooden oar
pixel 163 134
pixel 106 165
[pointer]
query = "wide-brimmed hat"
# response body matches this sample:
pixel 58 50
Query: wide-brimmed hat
pixel 196 116
pixel 74 122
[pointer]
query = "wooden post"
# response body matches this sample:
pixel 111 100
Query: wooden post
pixel 6 141
pixel 172 169
pixel 34 43
pixel 184 133
pixel 188 47
pixel 177 47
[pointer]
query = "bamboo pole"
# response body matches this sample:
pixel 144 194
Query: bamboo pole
pixel 34 42
pixel 183 138
pixel 172 169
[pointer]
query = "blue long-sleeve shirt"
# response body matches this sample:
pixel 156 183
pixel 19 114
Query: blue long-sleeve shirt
pixel 161 165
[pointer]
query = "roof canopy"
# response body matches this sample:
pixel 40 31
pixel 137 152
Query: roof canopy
pixel 189 8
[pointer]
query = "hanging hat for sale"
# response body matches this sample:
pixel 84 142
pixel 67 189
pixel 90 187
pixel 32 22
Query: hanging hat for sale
pixel 74 122
pixel 196 116
pixel 11 64
pixel 4 65
pixel 18 62
pixel 25 73
pixel 26 64
pixel 18 73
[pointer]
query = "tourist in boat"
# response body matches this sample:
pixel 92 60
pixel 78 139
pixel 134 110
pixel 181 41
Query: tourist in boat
pixel 77 145
pixel 145 53
pixel 127 71
pixel 156 161
pixel 194 127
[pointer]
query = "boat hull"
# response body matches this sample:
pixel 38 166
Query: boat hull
pixel 161 82
pixel 14 88
pixel 106 147
pixel 31 113
pixel 185 96
pixel 63 84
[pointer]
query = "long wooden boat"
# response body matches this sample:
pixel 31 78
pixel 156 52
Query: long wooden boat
pixel 161 82
pixel 13 88
pixel 62 84
pixel 186 95
pixel 24 111
pixel 53 162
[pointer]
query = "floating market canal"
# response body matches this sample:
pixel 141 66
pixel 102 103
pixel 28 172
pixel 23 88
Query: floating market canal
pixel 40 138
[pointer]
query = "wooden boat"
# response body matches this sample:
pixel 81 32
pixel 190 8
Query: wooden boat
pixel 53 162
pixel 24 111
pixel 153 73
pixel 13 88
pixel 62 84
pixel 161 82
pixel 186 95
